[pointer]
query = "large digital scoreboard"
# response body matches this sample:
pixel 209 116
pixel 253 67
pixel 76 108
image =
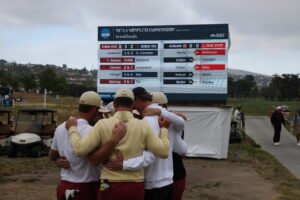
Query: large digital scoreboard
pixel 186 62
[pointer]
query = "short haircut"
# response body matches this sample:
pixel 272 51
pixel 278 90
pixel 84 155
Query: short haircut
pixel 123 102
pixel 144 97
pixel 142 94
pixel 85 108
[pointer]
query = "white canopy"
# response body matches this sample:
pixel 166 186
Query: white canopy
pixel 207 130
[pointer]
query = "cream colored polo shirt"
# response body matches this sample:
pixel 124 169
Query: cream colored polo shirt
pixel 139 137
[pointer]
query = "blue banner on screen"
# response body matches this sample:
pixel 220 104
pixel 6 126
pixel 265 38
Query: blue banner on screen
pixel 188 63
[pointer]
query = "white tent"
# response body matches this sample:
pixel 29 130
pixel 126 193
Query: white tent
pixel 207 130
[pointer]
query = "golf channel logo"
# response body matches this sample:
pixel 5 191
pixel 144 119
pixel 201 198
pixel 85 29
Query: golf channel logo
pixel 105 33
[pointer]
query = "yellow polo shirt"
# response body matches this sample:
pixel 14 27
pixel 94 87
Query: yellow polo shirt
pixel 139 137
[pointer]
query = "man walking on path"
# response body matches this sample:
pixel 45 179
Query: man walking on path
pixel 296 126
pixel 277 119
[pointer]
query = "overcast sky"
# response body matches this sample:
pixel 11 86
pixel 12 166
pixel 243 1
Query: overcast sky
pixel 265 34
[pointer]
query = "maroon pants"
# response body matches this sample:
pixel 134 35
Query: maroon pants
pixel 86 190
pixel 178 187
pixel 123 191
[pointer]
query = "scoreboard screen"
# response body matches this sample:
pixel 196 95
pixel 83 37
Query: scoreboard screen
pixel 186 62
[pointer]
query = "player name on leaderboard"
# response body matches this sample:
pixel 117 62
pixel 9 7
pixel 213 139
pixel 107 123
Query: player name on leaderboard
pixel 172 59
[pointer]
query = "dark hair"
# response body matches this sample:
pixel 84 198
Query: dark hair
pixel 123 102
pixel 85 108
pixel 144 97
pixel 142 94
pixel 138 91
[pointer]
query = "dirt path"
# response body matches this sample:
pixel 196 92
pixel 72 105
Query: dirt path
pixel 32 186
pixel 213 179
pixel 206 179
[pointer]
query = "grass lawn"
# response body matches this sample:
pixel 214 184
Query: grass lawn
pixel 261 107
pixel 256 107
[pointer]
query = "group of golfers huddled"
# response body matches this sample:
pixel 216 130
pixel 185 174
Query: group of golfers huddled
pixel 129 150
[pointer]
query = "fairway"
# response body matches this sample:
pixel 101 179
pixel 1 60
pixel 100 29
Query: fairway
pixel 261 107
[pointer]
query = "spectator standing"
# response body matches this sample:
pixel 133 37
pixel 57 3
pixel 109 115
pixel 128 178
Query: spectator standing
pixel 277 119
pixel 237 116
pixel 296 126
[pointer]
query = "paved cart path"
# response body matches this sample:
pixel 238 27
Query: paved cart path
pixel 288 153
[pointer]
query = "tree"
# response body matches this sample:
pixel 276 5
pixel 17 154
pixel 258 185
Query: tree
pixel 2 77
pixel 254 91
pixel 47 79
pixel 290 86
pixel 265 92
pixel 242 88
pixel 284 87
pixel 230 82
pixel 76 90
pixel 28 82
pixel 14 83
pixel 52 82
pixel 61 86
pixel 248 85
pixel 275 87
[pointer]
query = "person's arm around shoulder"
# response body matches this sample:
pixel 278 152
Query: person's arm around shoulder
pixel 83 146
pixel 131 164
pixel 176 120
pixel 158 145
pixel 139 162
pixel 103 153
pixel 151 112
pixel 180 115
